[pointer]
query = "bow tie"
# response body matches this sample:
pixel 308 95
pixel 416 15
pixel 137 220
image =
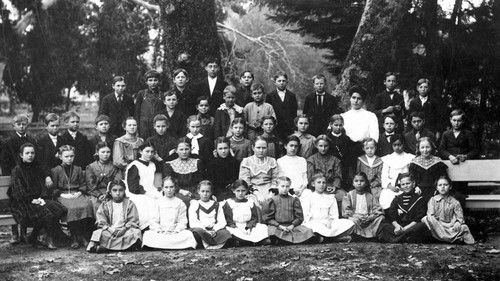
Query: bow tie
pixel 392 134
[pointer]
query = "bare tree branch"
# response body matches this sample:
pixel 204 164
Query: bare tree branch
pixel 147 5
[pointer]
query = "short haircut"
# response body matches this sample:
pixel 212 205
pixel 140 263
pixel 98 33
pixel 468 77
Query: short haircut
pixel 369 140
pixel 336 117
pixel 101 118
pixel 280 74
pixel 24 145
pixel 51 117
pixel 424 80
pixel 169 94
pixel 417 114
pixel 69 115
pixel 319 77
pixel 199 99
pixel 391 74
pixel 193 118
pixel 211 59
pixel 268 117
pixel 458 112
pixel 404 175
pixel 229 90
pixel 245 71
pixel 391 116
pixel 398 137
pixel 160 117
pixel 257 86
pixel 152 74
pixel 180 70
pixel 206 183
pixel 357 89
pixel 318 176
pixel 20 118
pixel 65 148
pixel 301 116
pixel 118 79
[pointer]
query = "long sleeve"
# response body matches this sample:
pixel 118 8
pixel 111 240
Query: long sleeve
pixel 473 147
pixel 269 212
pixel 228 213
pixel 430 208
pixel 102 217
pixel 17 190
pixel 306 208
pixel 310 169
pixel 155 219
pixel 443 151
pixel 218 126
pixel 244 173
pixel 56 189
pixel 337 173
pixel 80 180
pixel 385 180
pixel 347 207
pixel 458 211
pixel 376 210
pixel 255 218
pixel 374 131
pixel 132 219
pixel 133 181
pixel 104 108
pixel 297 212
pixel 333 213
pixel 138 104
pixel 221 220
pixel 182 219
pixel 392 212
pixel 91 179
pixel 119 155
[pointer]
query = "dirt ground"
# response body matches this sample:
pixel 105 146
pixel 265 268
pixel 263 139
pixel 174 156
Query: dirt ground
pixel 340 261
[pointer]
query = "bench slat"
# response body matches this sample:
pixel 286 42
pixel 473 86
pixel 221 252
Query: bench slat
pixel 4 186
pixel 7 220
pixel 475 170
pixel 483 201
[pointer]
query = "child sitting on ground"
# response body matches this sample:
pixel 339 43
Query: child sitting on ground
pixel 117 221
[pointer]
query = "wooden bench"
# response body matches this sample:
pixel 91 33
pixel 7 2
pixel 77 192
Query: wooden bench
pixel 481 175
pixel 4 186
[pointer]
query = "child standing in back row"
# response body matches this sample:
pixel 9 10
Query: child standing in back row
pixel 148 103
pixel 284 103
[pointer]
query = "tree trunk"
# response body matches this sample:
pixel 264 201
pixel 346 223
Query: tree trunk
pixel 189 27
pixel 372 46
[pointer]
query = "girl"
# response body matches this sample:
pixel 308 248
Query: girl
pixel 223 169
pixel 371 165
pixel 445 217
pixel 405 215
pixel 70 190
pixel 201 147
pixel 99 174
pixel 29 199
pixel 283 216
pixel 117 221
pixel 362 208
pixel 321 213
pixel 426 168
pixel 274 144
pixel 327 164
pixel 293 166
pixel 183 92
pixel 341 145
pixel 394 164
pixel 242 217
pixel 206 219
pixel 168 229
pixel 140 179
pixel 302 123
pixel 125 147
pixel 187 171
pixel 176 118
pixel 359 123
pixel 207 121
pixel 240 146
pixel 259 170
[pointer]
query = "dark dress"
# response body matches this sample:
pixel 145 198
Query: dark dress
pixel 97 177
pixel 83 152
pixel 222 172
pixel 10 152
pixel 117 112
pixel 243 95
pixel 163 145
pixel 222 121
pixel 147 106
pixel 340 148
pixel 285 111
pixel 28 183
pixel 188 173
pixel 426 171
pixel 405 209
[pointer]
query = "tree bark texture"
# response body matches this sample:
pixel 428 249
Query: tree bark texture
pixel 189 27
pixel 373 46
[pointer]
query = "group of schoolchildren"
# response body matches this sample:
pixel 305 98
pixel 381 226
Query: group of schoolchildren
pixel 242 170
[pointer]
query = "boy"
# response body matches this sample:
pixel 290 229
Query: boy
pixel 149 102
pixel 429 106
pixel 244 93
pixel 176 118
pixel 162 141
pixel 255 110
pixel 284 103
pixel 117 106
pixel 207 121
pixel 418 131
pixel 83 152
pixel 102 125
pixel 390 102
pixel 10 150
pixel 320 106
pixel 226 113
pixel 458 144
pixel 49 144
pixel 212 86
pixel 384 141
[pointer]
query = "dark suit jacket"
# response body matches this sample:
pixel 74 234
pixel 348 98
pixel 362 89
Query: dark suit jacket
pixel 47 154
pixel 320 115
pixel 186 100
pixel 285 111
pixel 432 113
pixel 216 98
pixel 83 152
pixel 177 123
pixel 384 147
pixel 411 140
pixel 382 101
pixel 117 112
pixel 222 122
pixel 465 143
pixel 110 141
pixel 10 152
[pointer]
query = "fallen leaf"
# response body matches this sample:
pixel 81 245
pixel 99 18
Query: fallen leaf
pixel 493 251
pixel 295 258
pixel 221 264
pixel 284 264
pixel 113 271
pixel 242 262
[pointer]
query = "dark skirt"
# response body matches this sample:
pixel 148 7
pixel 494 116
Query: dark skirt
pixel 39 216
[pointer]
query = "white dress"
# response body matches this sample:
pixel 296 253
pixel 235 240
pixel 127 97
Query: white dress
pixel 240 213
pixel 319 209
pixel 394 164
pixel 145 203
pixel 168 229
pixel 295 168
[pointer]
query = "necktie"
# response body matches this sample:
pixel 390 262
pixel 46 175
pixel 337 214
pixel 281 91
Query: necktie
pixel 417 135
pixel 319 101
pixel 120 98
